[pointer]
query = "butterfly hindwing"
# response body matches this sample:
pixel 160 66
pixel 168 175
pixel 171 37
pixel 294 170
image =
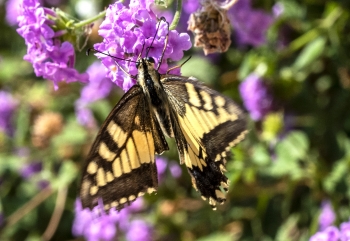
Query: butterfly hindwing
pixel 121 164
pixel 207 125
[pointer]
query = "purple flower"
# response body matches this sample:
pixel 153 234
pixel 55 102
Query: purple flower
pixel 128 33
pixel 12 9
pixel 161 167
pixel 175 169
pixel 250 25
pixel 277 9
pixel 8 105
pixel 345 231
pixel 30 169
pixel 327 216
pixel 329 234
pixel 94 225
pixel 98 88
pixel 256 97
pixel 139 230
pixel 50 58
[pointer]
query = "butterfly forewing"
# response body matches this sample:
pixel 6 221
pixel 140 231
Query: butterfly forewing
pixel 207 125
pixel 121 164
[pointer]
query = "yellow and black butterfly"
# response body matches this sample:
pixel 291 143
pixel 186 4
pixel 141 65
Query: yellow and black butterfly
pixel 205 124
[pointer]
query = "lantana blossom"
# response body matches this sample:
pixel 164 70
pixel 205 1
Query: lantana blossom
pixel 51 58
pixel 97 225
pixel 98 88
pixel 257 97
pixel 129 33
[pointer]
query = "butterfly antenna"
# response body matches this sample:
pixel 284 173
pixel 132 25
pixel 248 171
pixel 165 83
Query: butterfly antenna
pixel 154 37
pixel 166 41
pixel 114 58
pixel 109 55
pixel 179 66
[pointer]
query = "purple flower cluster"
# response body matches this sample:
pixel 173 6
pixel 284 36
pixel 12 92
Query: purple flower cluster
pixel 128 31
pixel 163 165
pixel 50 58
pixel 332 233
pixel 8 105
pixel 30 169
pixel 257 97
pixel 98 88
pixel 250 25
pixel 96 225
pixel 327 231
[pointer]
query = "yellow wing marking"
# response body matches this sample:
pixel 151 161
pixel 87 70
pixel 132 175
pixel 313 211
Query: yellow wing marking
pixel 105 153
pixel 132 153
pixel 219 101
pixel 92 168
pixel 125 162
pixel 117 167
pixel 193 96
pixel 207 100
pixel 109 176
pixel 151 147
pixel 93 190
pixel 101 177
pixel 118 135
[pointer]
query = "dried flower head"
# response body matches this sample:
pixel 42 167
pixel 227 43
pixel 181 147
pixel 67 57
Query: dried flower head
pixel 45 127
pixel 211 27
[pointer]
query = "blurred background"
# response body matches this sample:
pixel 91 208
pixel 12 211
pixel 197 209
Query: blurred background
pixel 288 66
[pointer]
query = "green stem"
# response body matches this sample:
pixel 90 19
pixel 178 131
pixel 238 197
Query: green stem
pixel 177 15
pixel 90 20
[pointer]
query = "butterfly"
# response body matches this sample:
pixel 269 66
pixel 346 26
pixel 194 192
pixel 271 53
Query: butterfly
pixel 205 124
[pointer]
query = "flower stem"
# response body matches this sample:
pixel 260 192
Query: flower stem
pixel 177 15
pixel 90 20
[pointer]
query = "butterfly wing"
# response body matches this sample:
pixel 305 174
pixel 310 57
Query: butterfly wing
pixel 121 164
pixel 207 125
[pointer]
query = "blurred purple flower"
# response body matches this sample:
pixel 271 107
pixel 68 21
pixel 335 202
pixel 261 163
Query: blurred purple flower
pixel 329 234
pixel 327 216
pixel 139 230
pixel 161 168
pixel 50 58
pixel 249 25
pixel 43 184
pixel 345 231
pixel 94 225
pixel 277 9
pixel 12 9
pixel 256 96
pixel 126 31
pixel 98 225
pixel 30 169
pixel 98 88
pixel 163 165
pixel 175 169
pixel 8 105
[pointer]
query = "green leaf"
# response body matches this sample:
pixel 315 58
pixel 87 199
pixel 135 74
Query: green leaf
pixel 67 173
pixel 339 171
pixel 200 68
pixel 260 155
pixel 219 236
pixel 310 53
pixel 294 145
pixel 286 230
pixel 73 133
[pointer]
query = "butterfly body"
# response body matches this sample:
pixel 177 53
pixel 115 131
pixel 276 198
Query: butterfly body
pixel 205 124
